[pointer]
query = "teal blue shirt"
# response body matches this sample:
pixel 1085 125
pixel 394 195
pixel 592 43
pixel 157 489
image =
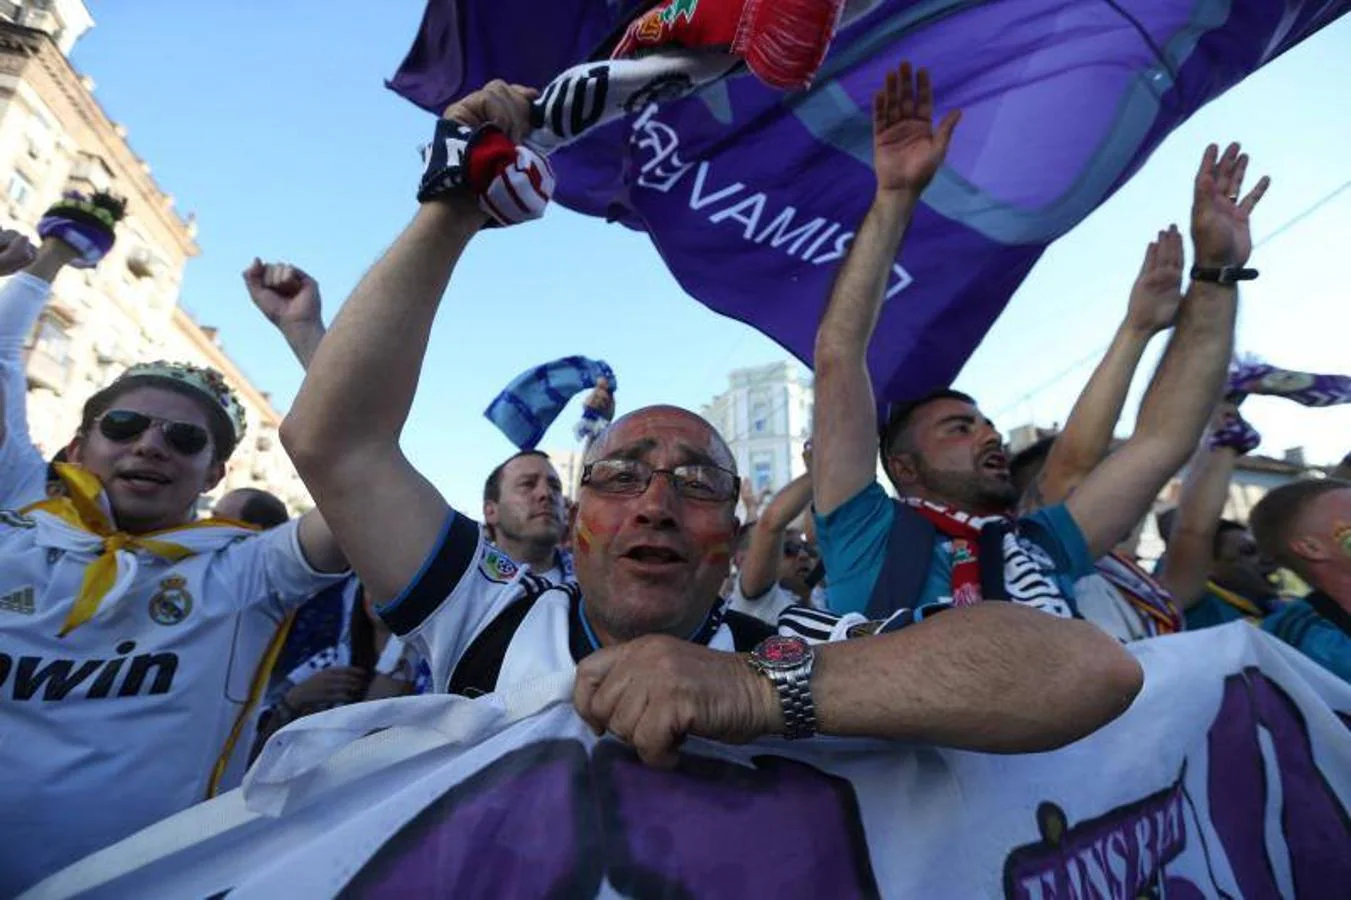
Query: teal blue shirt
pixel 853 544
pixel 1299 625
pixel 1212 609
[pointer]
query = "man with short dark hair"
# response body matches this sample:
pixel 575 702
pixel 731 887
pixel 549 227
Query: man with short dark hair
pixel 252 506
pixel 656 656
pixel 948 537
pixel 523 514
pixel 1306 527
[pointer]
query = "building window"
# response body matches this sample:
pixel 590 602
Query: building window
pixel 20 188
pixel 760 412
pixel 762 472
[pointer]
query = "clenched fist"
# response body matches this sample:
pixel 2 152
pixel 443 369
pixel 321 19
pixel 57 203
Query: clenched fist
pixel 284 293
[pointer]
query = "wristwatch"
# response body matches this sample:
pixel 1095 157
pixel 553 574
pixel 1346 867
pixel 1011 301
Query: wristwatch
pixel 787 662
pixel 1223 274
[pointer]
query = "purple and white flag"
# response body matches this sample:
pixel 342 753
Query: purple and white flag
pixel 1230 776
pixel 751 195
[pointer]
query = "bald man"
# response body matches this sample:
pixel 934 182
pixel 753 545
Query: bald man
pixel 656 655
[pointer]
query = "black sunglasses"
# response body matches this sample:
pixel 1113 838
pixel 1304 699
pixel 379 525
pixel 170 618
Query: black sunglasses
pixel 123 425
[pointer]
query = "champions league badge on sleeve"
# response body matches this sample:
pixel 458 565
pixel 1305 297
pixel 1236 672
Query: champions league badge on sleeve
pixel 497 566
pixel 172 603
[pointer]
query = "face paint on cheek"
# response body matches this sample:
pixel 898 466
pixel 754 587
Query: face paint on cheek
pixel 1341 534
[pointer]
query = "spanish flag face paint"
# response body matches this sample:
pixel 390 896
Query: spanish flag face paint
pixel 1341 535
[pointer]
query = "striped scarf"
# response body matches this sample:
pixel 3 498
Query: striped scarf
pixel 1151 600
pixel 1020 580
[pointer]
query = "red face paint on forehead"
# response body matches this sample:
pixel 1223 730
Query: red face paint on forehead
pixel 673 434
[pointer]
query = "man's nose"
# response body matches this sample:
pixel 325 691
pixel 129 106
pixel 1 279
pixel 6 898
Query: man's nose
pixel 658 504
pixel 151 442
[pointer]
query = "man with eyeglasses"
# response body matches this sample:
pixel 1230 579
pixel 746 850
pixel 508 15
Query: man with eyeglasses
pixel 133 641
pixel 656 656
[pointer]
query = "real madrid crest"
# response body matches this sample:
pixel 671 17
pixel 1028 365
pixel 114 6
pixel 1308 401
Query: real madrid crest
pixel 172 602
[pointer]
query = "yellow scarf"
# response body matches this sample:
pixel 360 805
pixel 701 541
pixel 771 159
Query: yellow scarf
pixel 83 508
pixel 1251 611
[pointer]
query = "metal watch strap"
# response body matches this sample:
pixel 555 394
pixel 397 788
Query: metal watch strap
pixel 795 696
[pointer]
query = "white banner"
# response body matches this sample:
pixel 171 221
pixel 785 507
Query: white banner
pixel 1230 777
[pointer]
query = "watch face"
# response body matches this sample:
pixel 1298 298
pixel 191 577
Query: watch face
pixel 782 652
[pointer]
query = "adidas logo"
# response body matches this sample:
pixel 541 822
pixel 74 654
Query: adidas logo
pixel 20 601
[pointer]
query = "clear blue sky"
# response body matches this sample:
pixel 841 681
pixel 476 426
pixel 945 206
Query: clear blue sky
pixel 271 122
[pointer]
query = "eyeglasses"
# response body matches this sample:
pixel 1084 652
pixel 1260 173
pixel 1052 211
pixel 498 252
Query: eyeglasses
pixel 123 425
pixel 632 477
pixel 793 548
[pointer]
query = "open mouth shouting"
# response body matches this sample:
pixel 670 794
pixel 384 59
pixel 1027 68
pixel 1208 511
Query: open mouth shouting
pixel 654 558
pixel 995 463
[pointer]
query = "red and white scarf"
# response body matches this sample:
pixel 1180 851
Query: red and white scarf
pixel 1025 580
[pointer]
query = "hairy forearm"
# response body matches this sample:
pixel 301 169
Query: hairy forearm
pixel 844 429
pixel 856 299
pixel 304 341
pixel 1088 431
pixel 361 382
pixel 1192 540
pixel 760 565
pixel 1182 395
pixel 993 677
pixel 787 505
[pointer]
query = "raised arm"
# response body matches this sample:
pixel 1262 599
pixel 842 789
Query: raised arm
pixel 1187 384
pixel 1191 543
pixel 343 430
pixel 760 565
pixel 21 300
pixel 907 151
pixel 289 299
pixel 1088 431
pixel 994 677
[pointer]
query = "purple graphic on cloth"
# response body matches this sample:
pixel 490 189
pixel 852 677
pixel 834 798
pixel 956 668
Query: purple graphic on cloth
pixel 546 821
pixel 1316 826
pixel 796 830
pixel 751 195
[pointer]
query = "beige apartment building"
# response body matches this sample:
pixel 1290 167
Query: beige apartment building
pixel 55 136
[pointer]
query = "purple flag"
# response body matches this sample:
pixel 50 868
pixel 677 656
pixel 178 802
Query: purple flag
pixel 751 195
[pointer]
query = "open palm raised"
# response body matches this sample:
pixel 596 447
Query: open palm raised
pixel 907 149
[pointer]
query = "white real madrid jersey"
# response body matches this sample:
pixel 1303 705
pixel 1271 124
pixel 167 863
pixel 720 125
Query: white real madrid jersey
pixel 144 709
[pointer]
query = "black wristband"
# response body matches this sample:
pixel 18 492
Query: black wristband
pixel 1223 274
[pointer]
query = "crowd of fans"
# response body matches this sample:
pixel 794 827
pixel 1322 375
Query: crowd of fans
pixel 147 656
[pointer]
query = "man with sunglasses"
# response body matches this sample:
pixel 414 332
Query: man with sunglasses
pixel 133 640
pixel 951 538
pixel 656 656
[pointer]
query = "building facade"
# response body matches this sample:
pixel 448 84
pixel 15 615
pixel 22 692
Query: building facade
pixel 765 415
pixel 54 136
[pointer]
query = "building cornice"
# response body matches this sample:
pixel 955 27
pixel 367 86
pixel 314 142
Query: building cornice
pixel 35 46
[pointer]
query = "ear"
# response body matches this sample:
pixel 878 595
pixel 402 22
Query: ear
pixel 1309 548
pixel 75 450
pixel 489 512
pixel 902 469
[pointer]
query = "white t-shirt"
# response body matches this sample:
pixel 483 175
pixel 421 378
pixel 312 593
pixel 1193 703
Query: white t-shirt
pixel 140 711
pixel 767 606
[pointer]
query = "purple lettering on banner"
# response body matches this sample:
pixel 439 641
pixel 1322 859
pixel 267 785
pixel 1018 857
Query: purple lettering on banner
pixel 1121 854
pixel 712 828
